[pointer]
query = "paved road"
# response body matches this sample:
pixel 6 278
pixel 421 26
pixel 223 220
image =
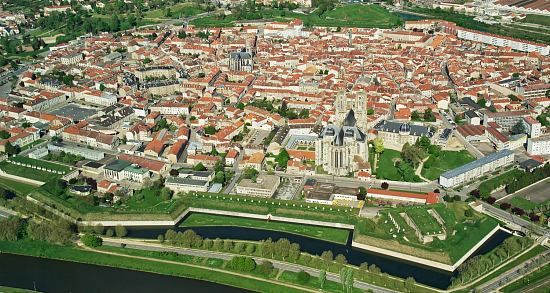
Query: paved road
pixel 227 256
pixel 515 273
pixel 511 218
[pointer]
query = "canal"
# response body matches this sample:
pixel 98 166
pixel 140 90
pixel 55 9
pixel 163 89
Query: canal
pixel 46 275
pixel 393 266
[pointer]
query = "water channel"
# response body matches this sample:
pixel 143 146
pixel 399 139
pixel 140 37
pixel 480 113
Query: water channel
pixel 47 275
pixel 393 266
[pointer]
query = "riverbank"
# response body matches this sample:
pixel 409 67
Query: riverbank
pixel 324 233
pixel 75 254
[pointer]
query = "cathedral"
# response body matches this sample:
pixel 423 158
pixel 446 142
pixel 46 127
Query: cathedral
pixel 342 148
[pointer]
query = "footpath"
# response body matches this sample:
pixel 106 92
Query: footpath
pixel 227 256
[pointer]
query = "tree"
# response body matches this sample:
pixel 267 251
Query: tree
pixel 4 134
pixel 242 263
pixel 378 149
pixel 265 268
pixel 174 172
pixel 505 206
pixel 282 158
pixel 109 232
pixel 120 231
pixel 385 185
pixel 91 240
pixel 429 115
pixel 518 128
pixel 303 277
pixel 199 167
pixel 99 229
pixel 415 116
pixel 362 193
pixel 160 238
pixel 210 130
pixel 322 278
pixel 11 149
pixel 341 259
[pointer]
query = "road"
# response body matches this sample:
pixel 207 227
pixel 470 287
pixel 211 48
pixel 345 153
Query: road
pixel 227 256
pixel 516 273
pixel 513 219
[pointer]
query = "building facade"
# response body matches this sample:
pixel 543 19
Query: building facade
pixel 342 149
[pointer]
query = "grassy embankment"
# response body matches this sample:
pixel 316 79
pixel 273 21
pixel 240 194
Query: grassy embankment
pixel 355 15
pixel 463 233
pixel 74 254
pixel 447 160
pixel 323 233
pixel 533 279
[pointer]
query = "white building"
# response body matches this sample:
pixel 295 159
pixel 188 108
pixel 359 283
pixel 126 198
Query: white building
pixel 179 184
pixel 264 186
pixel 501 41
pixel 539 145
pixel 476 169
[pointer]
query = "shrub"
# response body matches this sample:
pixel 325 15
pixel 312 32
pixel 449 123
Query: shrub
pixel 385 185
pixel 120 231
pixel 109 232
pixel 265 268
pixel 491 200
pixel 91 240
pixel 505 206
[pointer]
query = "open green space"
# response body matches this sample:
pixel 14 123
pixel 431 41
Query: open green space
pixel 463 232
pixel 537 19
pixel 530 280
pixel 69 253
pixel 386 165
pixel 178 10
pixel 356 15
pixel 522 203
pixel 488 186
pixel 469 22
pixel 41 163
pixel 424 221
pixel 447 160
pixel 27 172
pixel 19 188
pixel 324 233
pixel 14 290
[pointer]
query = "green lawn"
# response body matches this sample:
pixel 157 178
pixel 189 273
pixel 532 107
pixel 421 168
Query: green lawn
pixel 41 163
pixel 536 276
pixel 14 290
pixel 32 144
pixel 324 233
pixel 46 250
pixel 176 11
pixel 385 168
pixel 522 203
pixel 356 15
pixel 537 19
pixel 27 172
pixel 447 160
pixel 18 187
pixel 424 221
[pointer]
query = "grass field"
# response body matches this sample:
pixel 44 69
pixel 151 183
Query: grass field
pixel 176 11
pixel 385 168
pixel 41 163
pixel 27 172
pixel 531 279
pixel 46 250
pixel 18 187
pixel 324 233
pixel 424 221
pixel 537 19
pixel 355 15
pixel 523 203
pixel 447 160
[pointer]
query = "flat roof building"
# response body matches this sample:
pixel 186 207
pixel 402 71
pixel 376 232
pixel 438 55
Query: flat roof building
pixel 475 169
pixel 264 186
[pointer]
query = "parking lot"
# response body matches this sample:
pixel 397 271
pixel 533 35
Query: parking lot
pixel 74 111
pixel 288 188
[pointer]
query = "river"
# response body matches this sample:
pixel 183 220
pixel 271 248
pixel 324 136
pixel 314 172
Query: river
pixel 47 275
pixel 393 266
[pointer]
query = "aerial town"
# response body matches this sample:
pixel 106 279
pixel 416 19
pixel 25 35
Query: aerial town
pixel 409 156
